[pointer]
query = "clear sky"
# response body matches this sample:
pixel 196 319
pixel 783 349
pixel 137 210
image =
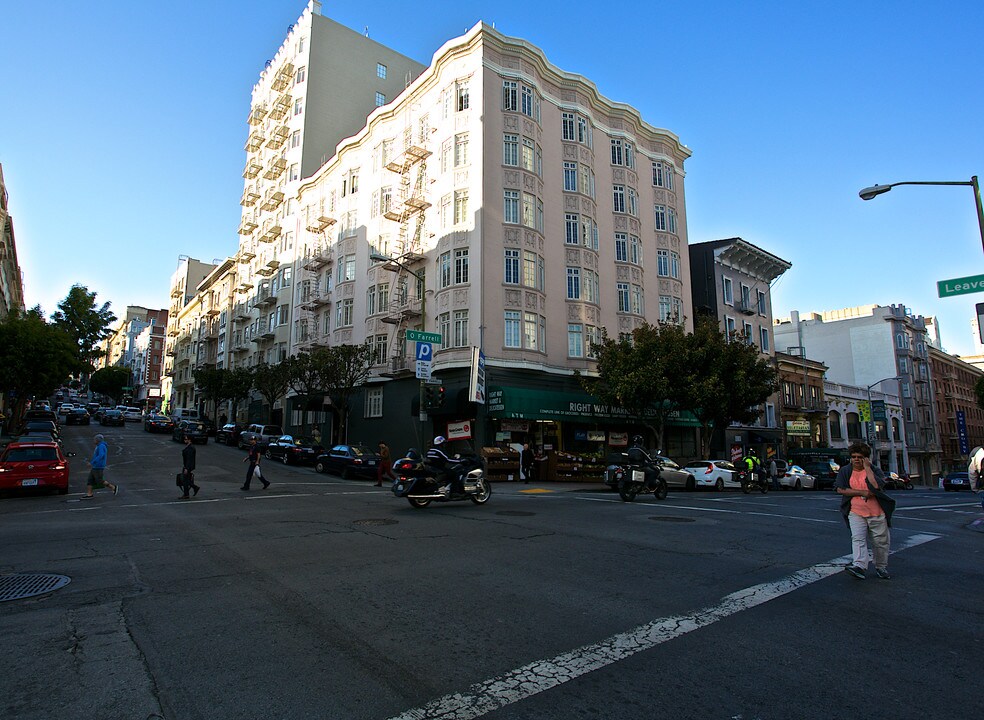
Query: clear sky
pixel 122 127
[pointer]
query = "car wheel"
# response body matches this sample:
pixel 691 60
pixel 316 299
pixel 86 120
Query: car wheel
pixel 719 485
pixel 267 454
pixel 691 484
pixel 286 461
pixel 319 467
pixel 799 485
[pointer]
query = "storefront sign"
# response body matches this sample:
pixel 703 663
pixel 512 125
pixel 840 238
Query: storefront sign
pixel 736 453
pixel 513 426
pixel 510 402
pixel 503 437
pixel 476 384
pixel 798 427
pixel 618 439
pixel 460 430
pixel 596 436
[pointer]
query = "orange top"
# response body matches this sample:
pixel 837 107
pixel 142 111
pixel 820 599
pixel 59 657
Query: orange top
pixel 859 505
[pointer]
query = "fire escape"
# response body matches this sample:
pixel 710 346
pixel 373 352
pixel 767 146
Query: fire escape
pixel 315 293
pixel 406 306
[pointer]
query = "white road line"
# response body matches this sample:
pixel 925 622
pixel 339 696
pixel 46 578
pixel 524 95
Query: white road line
pixel 276 497
pixel 937 507
pixel 512 687
pixel 670 506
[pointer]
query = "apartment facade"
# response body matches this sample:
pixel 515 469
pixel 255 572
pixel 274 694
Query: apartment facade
pixel 183 322
pixel 525 214
pixel 961 419
pixel 11 279
pixel 802 403
pixel 874 347
pixel 848 406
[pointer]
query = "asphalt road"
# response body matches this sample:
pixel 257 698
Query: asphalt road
pixel 324 598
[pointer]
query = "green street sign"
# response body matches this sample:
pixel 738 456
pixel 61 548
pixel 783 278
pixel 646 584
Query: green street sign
pixel 960 286
pixel 419 336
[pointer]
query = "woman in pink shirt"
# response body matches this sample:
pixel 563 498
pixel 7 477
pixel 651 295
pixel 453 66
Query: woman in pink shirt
pixel 867 510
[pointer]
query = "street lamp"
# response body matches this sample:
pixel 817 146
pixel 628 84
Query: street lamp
pixel 379 257
pixel 874 431
pixel 869 192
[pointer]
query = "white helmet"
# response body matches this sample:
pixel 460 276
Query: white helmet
pixel 439 439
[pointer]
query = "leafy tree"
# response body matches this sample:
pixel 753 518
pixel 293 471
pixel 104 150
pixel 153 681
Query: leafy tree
pixel 237 385
pixel 35 359
pixel 641 374
pixel 272 382
pixel 210 381
pixel 727 379
pixel 311 376
pixel 110 381
pixel 86 324
pixel 979 391
pixel 349 367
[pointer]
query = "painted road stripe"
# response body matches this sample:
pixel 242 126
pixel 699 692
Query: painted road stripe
pixel 511 687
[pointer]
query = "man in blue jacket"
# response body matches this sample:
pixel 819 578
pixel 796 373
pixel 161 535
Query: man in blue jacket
pixel 98 468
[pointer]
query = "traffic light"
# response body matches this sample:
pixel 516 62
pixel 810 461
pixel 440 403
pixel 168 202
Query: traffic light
pixel 428 397
pixel 433 397
pixel 439 396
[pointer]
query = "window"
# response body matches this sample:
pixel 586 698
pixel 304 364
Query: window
pixel 633 202
pixel 447 150
pixel 528 101
pixel 727 293
pixel 746 296
pixel 380 71
pixel 374 402
pixel 379 345
pixel 461 328
pixel 461 95
pixel 444 327
pixel 460 206
pixel 589 233
pixel 346 268
pixel 298 106
pixel 590 286
pixel 635 250
pixel 638 304
pixel 575 340
pixel 621 247
pixel 671 218
pixel 573 283
pixel 344 313
pixel 617 157
pixel 529 216
pixel 570 177
pixel 446 210
pixel 510 210
pixel 618 198
pixel 530 331
pixel 665 308
pixel 583 132
pixel 510 273
pixel 295 139
pixel 567 126
pixel 572 224
pixel 530 269
pixel 444 269
pixel 622 291
pixel 301 75
pixel 629 155
pixel 587 182
pixel 460 149
pixel 371 300
pixel 510 149
pixel 660 212
pixel 461 266
pixel 730 328
pixel 527 156
pixel 510 96
pixel 294 173
pixel 675 265
pixel 380 99
pixel 663 175
pixel 746 330
pixel 663 262
pixel 761 303
pixel 770 415
pixel 512 336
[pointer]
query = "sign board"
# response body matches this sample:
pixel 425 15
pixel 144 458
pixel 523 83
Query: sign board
pixel 420 336
pixel 980 320
pixel 962 432
pixel 433 381
pixel 798 427
pixel 425 351
pixel 460 430
pixel 864 410
pixel 423 369
pixel 736 453
pixel 960 286
pixel 618 439
pixel 596 436
pixel 476 382
pixel 878 410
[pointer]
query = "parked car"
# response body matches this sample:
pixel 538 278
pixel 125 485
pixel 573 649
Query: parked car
pixel 229 433
pixel 112 417
pixel 92 407
pixel 42 436
pixel 34 465
pixel 180 414
pixel 132 414
pixel 825 472
pixel 41 415
pixel 956 481
pixel 158 423
pixel 77 416
pixel 782 466
pixel 100 411
pixel 294 449
pixel 717 474
pixel 264 435
pixel 39 426
pixel 674 475
pixel 64 408
pixel 349 461
pixel 190 428
pixel 797 478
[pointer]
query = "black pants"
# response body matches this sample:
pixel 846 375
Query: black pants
pixel 188 481
pixel 249 475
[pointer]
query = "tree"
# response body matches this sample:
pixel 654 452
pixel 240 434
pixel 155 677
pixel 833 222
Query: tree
pixel 641 374
pixel 211 381
pixel 110 381
pixel 311 377
pixel 727 379
pixel 35 358
pixel 979 391
pixel 86 324
pixel 271 381
pixel 349 368
pixel 237 385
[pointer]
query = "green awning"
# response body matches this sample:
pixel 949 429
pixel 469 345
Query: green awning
pixel 525 404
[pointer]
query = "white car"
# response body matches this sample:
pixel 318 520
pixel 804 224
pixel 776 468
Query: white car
pixel 132 414
pixel 797 479
pixel 64 408
pixel 717 474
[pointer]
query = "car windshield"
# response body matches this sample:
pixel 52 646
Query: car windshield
pixel 30 454
pixel 114 413
pixel 303 441
pixel 196 426
pixel 360 450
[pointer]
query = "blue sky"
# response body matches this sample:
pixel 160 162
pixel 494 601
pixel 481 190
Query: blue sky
pixel 122 126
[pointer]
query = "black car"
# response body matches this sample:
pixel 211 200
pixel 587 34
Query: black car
pixel 824 471
pixel 41 415
pixel 190 428
pixel 294 449
pixel 349 461
pixel 40 426
pixel 77 416
pixel 112 417
pixel 956 481
pixel 158 423
pixel 229 433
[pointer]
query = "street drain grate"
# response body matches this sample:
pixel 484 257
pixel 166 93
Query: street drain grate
pixel 515 513
pixel 24 585
pixel 375 521
pixel 664 518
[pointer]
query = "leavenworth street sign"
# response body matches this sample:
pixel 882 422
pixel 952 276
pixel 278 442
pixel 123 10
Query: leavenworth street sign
pixel 960 286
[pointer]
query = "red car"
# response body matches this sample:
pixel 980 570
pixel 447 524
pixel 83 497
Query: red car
pixel 33 465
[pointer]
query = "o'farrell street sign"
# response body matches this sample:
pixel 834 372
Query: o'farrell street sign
pixel 418 336
pixel 960 286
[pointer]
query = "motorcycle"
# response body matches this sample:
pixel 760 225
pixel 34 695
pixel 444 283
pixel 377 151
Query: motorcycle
pixel 635 476
pixel 751 480
pixel 418 484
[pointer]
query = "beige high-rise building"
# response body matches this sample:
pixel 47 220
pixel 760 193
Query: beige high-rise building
pixel 11 284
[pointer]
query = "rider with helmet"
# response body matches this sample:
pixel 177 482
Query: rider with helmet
pixel 638 456
pixel 447 477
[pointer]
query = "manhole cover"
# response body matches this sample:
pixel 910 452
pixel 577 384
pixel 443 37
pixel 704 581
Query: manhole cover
pixel 25 585
pixel 665 518
pixel 515 513
pixel 375 521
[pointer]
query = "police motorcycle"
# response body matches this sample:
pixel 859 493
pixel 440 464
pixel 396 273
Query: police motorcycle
pixel 753 480
pixel 417 481
pixel 635 472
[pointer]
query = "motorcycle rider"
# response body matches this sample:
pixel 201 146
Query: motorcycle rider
pixel 638 455
pixel 752 465
pixel 447 477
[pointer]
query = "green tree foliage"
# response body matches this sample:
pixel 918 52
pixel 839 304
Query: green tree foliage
pixel 237 386
pixel 349 367
pixel 211 381
pixel 35 358
pixel 311 376
pixel 110 381
pixel 272 382
pixel 85 323
pixel 641 373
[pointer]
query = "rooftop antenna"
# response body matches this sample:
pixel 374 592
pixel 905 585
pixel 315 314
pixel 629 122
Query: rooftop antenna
pixel 366 31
